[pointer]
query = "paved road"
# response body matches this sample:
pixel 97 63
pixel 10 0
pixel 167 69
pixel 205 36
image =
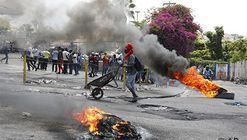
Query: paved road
pixel 189 116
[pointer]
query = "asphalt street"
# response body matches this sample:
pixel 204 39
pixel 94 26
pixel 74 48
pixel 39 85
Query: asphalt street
pixel 157 115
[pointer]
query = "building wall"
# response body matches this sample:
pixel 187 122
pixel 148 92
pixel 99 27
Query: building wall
pixel 238 70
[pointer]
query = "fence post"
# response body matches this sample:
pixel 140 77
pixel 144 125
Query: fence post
pixel 24 68
pixel 86 71
pixel 124 77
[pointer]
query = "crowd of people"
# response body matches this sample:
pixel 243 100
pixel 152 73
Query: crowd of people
pixel 63 61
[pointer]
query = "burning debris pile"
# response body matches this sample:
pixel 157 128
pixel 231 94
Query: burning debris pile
pixel 104 125
pixel 193 79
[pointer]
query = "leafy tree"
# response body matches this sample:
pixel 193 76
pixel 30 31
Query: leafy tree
pixel 201 55
pixel 4 26
pixel 238 50
pixel 215 43
pixel 175 28
pixel 139 24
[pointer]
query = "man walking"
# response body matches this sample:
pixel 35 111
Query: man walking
pixel 6 52
pixel 129 59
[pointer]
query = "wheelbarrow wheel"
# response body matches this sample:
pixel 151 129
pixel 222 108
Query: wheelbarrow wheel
pixel 97 93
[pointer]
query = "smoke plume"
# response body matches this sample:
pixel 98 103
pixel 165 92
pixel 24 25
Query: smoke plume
pixel 102 20
pixel 97 21
pixel 94 22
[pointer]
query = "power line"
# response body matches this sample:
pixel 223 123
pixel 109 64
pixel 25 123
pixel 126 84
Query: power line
pixel 169 4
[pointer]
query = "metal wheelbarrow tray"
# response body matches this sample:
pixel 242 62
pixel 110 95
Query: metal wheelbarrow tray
pixel 97 84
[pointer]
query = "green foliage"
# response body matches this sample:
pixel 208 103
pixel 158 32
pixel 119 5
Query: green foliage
pixel 199 61
pixel 203 54
pixel 215 43
pixel 139 24
pixel 236 50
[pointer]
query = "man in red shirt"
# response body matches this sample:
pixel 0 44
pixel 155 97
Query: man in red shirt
pixel 105 64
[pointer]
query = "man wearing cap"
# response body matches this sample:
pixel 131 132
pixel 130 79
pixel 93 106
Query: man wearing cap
pixel 129 59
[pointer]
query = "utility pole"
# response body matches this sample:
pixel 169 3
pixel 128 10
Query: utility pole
pixel 169 4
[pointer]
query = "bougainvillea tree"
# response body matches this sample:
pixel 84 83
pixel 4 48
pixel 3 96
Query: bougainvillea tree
pixel 175 28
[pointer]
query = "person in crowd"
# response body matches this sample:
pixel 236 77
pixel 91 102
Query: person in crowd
pixel 29 59
pixel 35 55
pixel 207 73
pixel 96 64
pixel 129 59
pixel 105 64
pixel 119 75
pixel 92 61
pixel 70 61
pixel 60 60
pixel 54 60
pixel 114 67
pixel 6 52
pixel 40 60
pixel 75 62
pixel 46 56
pixel 80 59
pixel 65 61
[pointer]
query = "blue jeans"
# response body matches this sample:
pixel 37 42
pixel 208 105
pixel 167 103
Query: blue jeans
pixel 130 83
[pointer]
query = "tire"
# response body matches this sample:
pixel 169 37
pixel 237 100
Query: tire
pixel 97 93
pixel 229 96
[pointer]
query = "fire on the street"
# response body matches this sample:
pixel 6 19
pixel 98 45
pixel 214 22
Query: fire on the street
pixel 105 125
pixel 90 117
pixel 193 79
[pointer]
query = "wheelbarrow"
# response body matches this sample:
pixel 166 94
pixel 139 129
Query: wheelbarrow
pixel 97 84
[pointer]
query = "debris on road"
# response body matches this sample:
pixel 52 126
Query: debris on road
pixel 106 126
pixel 26 115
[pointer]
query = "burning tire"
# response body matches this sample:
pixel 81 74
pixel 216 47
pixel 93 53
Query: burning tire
pixel 97 93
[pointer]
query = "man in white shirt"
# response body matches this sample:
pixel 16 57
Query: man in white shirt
pixel 65 61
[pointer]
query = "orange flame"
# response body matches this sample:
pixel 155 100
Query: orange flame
pixel 90 117
pixel 116 126
pixel 193 79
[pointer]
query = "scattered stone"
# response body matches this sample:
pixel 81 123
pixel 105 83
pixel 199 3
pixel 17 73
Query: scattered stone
pixel 236 104
pixel 41 81
pixel 32 82
pixel 26 115
pixel 45 81
pixel 78 95
pixel 76 88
